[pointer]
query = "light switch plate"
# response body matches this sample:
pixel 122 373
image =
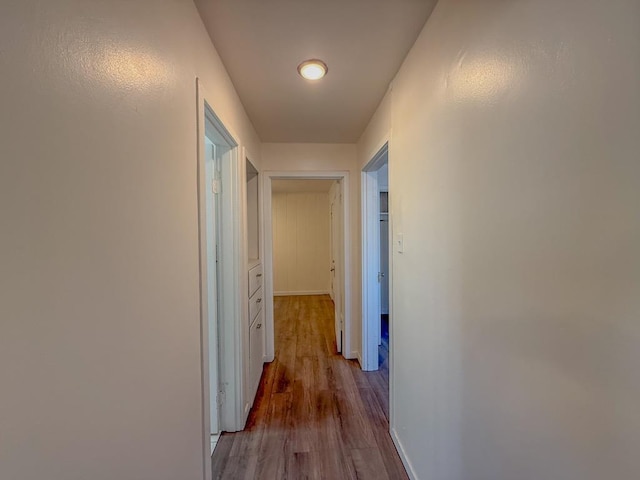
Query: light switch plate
pixel 400 243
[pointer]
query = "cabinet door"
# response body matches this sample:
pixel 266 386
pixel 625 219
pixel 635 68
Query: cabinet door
pixel 255 305
pixel 255 279
pixel 256 352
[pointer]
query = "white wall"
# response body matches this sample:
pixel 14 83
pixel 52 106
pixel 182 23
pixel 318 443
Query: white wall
pixel 377 132
pixel 301 243
pixel 516 183
pixel 99 308
pixel 313 157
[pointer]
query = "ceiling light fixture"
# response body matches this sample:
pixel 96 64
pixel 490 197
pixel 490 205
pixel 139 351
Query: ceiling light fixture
pixel 313 69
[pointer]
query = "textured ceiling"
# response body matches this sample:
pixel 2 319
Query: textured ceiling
pixel 261 42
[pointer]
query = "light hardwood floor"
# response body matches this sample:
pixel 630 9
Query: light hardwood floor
pixel 316 415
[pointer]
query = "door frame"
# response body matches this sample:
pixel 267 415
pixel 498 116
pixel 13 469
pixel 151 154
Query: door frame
pixel 337 257
pixel 267 178
pixel 371 256
pixel 230 371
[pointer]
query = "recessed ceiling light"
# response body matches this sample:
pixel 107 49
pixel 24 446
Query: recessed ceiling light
pixel 313 69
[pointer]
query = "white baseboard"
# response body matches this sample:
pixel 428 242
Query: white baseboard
pixel 214 441
pixel 302 292
pixel 352 355
pixel 359 358
pixel 403 455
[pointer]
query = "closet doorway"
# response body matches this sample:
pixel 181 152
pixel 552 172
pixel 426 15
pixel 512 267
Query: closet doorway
pixel 376 260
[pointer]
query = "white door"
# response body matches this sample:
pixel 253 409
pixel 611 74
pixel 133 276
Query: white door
pixel 216 148
pixel 336 261
pixel 384 264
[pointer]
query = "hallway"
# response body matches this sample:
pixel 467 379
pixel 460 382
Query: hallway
pixel 316 414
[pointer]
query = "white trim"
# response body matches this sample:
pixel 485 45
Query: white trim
pixel 204 317
pixel 214 441
pixel 230 311
pixel 375 152
pixel 301 292
pixel 392 337
pixel 249 391
pixel 371 258
pixel 403 455
pixel 267 177
pixel 231 301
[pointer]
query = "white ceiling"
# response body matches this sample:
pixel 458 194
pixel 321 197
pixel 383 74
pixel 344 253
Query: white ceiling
pixel 299 186
pixel 261 42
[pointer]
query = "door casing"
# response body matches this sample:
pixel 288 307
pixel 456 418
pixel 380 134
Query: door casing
pixel 230 341
pixel 337 262
pixel 370 217
pixel 345 275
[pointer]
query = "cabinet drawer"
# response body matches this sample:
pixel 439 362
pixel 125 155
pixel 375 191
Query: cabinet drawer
pixel 255 305
pixel 256 351
pixel 255 279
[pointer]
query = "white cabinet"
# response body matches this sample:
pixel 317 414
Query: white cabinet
pixel 256 329
pixel 255 293
pixel 255 279
pixel 255 305
pixel 256 349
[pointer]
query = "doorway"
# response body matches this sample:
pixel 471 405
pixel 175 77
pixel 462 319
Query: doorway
pixel 216 149
pixel 339 260
pixel 376 281
pixel 219 249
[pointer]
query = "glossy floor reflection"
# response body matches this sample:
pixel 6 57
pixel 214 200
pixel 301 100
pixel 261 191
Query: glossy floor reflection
pixel 316 414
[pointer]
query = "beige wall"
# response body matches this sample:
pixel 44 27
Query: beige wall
pixel 301 243
pixel 99 290
pixel 515 180
pixel 377 132
pixel 313 157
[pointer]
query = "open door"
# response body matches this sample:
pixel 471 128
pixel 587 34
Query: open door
pixel 384 266
pixel 212 223
pixel 335 196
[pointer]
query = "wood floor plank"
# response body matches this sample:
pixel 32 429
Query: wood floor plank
pixel 393 464
pixel 321 465
pixel 285 368
pixel 241 468
pixel 269 468
pixel 379 423
pixel 300 465
pixel 368 464
pixel 380 388
pixel 274 443
pixel 301 434
pixel 336 464
pixel 375 415
pixel 248 442
pixel 275 436
pixel 355 429
pixel 221 455
pixel 316 415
